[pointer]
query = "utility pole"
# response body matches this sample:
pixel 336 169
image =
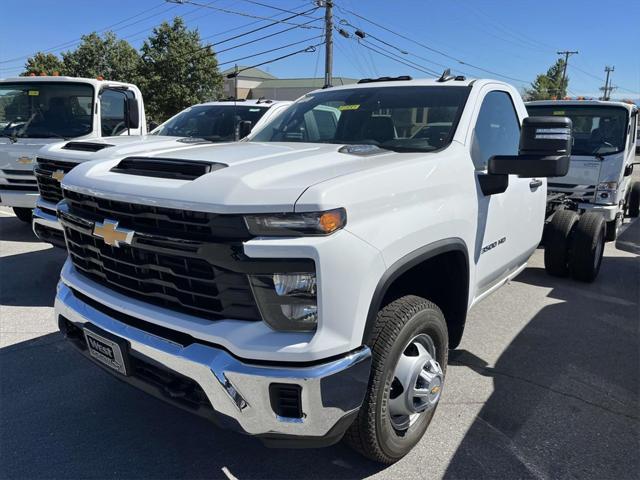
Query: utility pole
pixel 607 86
pixel 328 45
pixel 567 54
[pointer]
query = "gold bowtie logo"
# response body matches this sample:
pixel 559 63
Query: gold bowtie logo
pixel 111 234
pixel 58 175
pixel 25 160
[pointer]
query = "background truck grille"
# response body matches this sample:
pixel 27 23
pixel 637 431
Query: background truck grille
pixel 48 186
pixel 18 180
pixel 579 193
pixel 182 274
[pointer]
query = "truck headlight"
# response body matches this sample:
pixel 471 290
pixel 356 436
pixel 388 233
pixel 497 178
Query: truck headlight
pixel 287 301
pixel 608 186
pixel 296 224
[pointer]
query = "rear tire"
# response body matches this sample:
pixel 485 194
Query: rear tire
pixel 634 200
pixel 587 247
pixel 23 214
pixel 557 242
pixel 376 433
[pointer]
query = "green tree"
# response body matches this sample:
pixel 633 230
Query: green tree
pixel 549 85
pixel 105 57
pixel 177 70
pixel 41 62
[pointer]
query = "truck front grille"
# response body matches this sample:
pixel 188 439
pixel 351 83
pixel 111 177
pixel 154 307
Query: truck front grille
pixel 49 186
pixel 579 193
pixel 18 180
pixel 198 272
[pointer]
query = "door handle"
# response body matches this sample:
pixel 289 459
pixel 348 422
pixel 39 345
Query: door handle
pixel 535 183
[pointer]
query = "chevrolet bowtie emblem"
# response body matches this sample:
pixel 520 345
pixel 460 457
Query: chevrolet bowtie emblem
pixel 58 175
pixel 111 234
pixel 25 160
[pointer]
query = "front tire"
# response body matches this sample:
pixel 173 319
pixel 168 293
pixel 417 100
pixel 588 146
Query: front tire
pixel 587 247
pixel 23 214
pixel 634 200
pixel 410 350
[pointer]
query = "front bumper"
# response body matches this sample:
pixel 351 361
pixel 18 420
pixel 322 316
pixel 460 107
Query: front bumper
pixel 609 212
pixel 18 198
pixel 45 224
pixel 236 392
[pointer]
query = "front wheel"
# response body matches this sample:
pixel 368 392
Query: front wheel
pixel 23 214
pixel 410 350
pixel 634 200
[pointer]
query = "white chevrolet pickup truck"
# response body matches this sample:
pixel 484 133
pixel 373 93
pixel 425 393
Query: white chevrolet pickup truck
pixel 38 111
pixel 203 124
pixel 306 284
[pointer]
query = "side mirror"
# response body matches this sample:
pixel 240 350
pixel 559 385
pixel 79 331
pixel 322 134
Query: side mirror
pixel 545 149
pixel 628 170
pixel 152 125
pixel 244 128
pixel 133 114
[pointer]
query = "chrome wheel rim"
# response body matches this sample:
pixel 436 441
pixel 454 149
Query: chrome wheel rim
pixel 417 383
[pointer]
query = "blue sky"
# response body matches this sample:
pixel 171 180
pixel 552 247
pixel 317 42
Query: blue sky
pixel 514 38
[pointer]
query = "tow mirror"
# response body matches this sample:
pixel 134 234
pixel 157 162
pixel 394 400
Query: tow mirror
pixel 152 125
pixel 545 148
pixel 628 170
pixel 244 128
pixel 133 114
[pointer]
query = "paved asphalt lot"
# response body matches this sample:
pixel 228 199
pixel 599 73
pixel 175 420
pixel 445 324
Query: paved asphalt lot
pixel 544 385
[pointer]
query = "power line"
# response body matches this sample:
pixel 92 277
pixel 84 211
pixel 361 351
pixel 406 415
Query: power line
pixel 439 52
pixel 271 50
pixel 234 12
pixel 395 59
pixel 309 49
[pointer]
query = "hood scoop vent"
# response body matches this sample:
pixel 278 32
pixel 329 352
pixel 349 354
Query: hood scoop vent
pixel 363 150
pixel 86 146
pixel 173 168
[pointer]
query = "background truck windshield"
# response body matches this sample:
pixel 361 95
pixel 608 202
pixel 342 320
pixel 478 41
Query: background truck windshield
pixel 403 119
pixel 46 110
pixel 216 123
pixel 596 130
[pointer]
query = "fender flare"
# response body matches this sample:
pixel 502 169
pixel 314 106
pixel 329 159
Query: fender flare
pixel 403 265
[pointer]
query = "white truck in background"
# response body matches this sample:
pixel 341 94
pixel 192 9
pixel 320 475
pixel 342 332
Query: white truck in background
pixel 602 159
pixel 37 111
pixel 307 284
pixel 204 124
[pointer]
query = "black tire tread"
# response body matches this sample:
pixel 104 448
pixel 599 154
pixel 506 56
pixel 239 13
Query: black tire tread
pixel 389 323
pixel 634 200
pixel 23 214
pixel 584 235
pixel 557 242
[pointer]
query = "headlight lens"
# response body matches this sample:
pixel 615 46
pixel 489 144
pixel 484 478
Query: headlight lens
pixel 287 301
pixel 608 186
pixel 297 224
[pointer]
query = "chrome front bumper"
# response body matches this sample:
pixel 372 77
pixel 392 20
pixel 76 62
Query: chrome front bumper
pixel 17 198
pixel 331 392
pixel 45 224
pixel 609 212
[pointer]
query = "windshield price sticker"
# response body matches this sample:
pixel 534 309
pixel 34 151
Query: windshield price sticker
pixel 558 112
pixel 34 93
pixel 348 107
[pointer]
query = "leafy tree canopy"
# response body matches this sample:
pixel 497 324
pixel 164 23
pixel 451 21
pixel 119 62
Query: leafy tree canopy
pixel 176 70
pixel 41 62
pixel 549 85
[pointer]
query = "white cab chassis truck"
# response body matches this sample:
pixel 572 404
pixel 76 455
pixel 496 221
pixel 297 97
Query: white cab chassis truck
pixel 602 160
pixel 37 111
pixel 203 124
pixel 306 285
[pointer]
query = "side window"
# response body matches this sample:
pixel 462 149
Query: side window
pixel 497 130
pixel 633 125
pixel 112 112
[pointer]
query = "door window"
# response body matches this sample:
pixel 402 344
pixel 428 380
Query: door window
pixel 497 130
pixel 113 112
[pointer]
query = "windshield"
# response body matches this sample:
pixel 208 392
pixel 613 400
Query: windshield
pixel 403 119
pixel 216 123
pixel 45 110
pixel 596 130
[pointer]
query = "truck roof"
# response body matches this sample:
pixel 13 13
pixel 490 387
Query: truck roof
pixel 592 103
pixel 413 82
pixel 57 78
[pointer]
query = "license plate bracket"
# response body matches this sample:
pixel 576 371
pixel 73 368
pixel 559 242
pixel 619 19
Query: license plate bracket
pixel 107 349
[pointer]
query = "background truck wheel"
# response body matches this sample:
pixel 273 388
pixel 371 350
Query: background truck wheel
pixel 612 229
pixel 634 200
pixel 557 241
pixel 23 214
pixel 587 247
pixel 410 350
